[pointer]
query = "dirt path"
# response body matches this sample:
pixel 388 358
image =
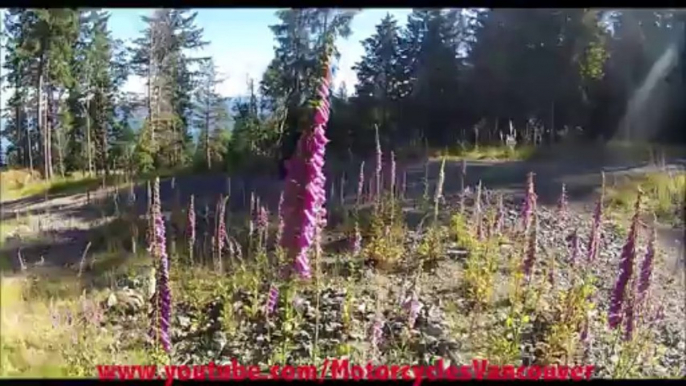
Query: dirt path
pixel 66 221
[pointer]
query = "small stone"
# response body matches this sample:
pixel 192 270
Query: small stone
pixel 111 300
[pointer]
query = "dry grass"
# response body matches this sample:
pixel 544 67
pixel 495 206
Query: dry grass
pixel 664 195
pixel 51 321
pixel 486 153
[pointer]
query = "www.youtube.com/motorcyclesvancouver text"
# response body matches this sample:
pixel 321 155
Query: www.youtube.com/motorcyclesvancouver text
pixel 343 369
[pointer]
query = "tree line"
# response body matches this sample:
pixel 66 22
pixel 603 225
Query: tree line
pixel 446 77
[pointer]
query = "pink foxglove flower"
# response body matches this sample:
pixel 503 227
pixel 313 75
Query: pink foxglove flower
pixel 305 195
pixel 626 269
pixel 272 299
pixel 162 297
pixel 646 268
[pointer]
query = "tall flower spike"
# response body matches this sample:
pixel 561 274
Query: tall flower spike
pixel 376 334
pixel 562 205
pixel 279 230
pixel 630 313
pixel 574 247
pixel 392 173
pixel 304 194
pixel 531 248
pixel 413 307
pixel 646 267
pixel 497 223
pixel 478 213
pixel 360 183
pixel 439 184
pixel 594 238
pixel 379 162
pixel 528 207
pixel 626 269
pixel 356 242
pixel 162 298
pixel 272 299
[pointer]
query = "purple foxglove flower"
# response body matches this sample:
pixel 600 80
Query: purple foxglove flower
pixel 162 297
pixel 272 299
pixel 305 185
pixel 629 315
pixel 646 268
pixel 626 268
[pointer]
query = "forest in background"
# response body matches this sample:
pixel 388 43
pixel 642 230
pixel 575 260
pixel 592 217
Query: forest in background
pixel 449 77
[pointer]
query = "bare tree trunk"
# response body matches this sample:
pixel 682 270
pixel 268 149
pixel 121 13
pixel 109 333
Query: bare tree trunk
pixel 89 143
pixel 29 144
pixel 39 121
pixel 48 130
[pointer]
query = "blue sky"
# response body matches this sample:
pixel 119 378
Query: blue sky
pixel 242 44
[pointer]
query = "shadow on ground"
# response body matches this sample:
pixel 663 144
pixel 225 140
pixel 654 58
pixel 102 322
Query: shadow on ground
pixel 65 244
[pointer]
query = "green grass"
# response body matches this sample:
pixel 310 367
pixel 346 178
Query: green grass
pixel 487 153
pixel 663 195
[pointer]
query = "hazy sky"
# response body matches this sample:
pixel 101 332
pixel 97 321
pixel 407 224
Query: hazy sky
pixel 242 44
